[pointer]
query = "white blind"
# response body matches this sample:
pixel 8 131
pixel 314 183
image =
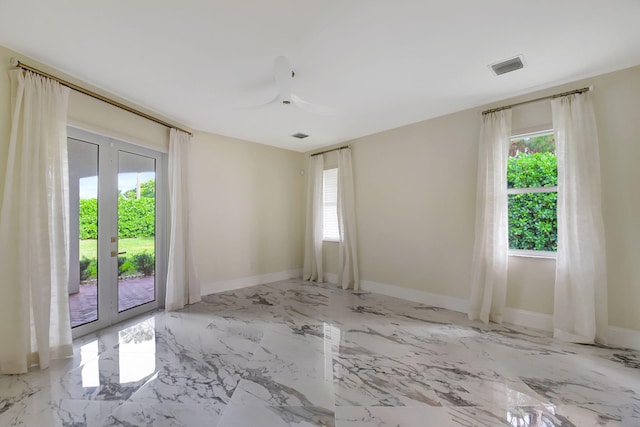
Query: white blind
pixel 330 204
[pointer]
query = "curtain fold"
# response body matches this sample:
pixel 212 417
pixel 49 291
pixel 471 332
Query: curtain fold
pixel 182 284
pixel 490 252
pixel 34 228
pixel 348 275
pixel 580 304
pixel 312 269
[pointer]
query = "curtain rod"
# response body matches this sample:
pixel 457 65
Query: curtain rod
pixel 328 151
pixel 97 96
pixel 493 110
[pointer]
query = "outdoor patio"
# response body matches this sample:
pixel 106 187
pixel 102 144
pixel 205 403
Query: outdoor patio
pixel 83 306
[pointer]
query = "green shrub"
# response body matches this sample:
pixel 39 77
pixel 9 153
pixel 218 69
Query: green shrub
pixel 127 269
pixel 533 221
pixel 126 266
pixel 532 170
pixel 136 218
pixel 88 268
pixel 145 263
pixel 88 219
pixel 142 263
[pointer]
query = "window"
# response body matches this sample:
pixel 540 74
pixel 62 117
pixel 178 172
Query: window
pixel 330 205
pixel 532 191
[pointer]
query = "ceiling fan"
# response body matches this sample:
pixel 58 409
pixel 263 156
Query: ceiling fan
pixel 284 75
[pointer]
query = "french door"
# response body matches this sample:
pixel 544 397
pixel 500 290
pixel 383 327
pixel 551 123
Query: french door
pixel 117 230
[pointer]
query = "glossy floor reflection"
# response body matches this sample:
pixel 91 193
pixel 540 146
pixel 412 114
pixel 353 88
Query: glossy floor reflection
pixel 294 353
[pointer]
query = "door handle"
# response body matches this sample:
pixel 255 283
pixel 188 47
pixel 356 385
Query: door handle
pixel 122 253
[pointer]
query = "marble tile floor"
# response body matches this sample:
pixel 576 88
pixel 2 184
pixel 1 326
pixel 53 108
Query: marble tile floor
pixel 293 353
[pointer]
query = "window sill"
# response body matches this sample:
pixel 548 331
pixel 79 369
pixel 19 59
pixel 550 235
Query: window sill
pixel 331 240
pixel 533 254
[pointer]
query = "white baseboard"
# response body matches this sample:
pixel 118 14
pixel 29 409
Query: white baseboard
pixel 622 337
pixel 415 295
pixel 245 282
pixel 529 319
pixel 617 337
pixel 331 278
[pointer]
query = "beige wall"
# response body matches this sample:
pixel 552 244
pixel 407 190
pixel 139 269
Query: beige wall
pixel 415 201
pixel 248 215
pixel 249 210
pixel 85 112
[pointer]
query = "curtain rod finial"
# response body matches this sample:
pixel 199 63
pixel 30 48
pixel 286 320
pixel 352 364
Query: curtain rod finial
pixel 13 61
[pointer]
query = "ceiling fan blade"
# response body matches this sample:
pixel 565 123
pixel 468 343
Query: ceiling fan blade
pixel 283 74
pixel 310 107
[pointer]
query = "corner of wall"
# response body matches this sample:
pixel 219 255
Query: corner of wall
pixel 245 282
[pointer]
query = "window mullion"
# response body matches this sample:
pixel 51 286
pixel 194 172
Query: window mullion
pixel 527 190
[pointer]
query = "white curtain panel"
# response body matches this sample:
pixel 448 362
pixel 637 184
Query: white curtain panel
pixel 348 276
pixel 312 269
pixel 580 307
pixel 34 228
pixel 490 251
pixel 182 284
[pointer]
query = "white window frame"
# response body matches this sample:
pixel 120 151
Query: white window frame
pixel 330 208
pixel 531 253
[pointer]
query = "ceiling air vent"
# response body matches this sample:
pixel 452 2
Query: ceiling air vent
pixel 300 135
pixel 507 66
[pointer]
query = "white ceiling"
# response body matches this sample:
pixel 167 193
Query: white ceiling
pixel 379 64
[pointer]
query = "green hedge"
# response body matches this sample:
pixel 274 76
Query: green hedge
pixel 136 218
pixel 532 170
pixel 532 221
pixel 88 219
pixel 533 217
pixel 88 268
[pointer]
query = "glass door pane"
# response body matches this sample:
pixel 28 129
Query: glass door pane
pixel 118 251
pixel 83 255
pixel 136 230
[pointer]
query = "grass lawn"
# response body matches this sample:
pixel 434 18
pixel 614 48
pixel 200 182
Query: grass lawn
pixel 89 248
